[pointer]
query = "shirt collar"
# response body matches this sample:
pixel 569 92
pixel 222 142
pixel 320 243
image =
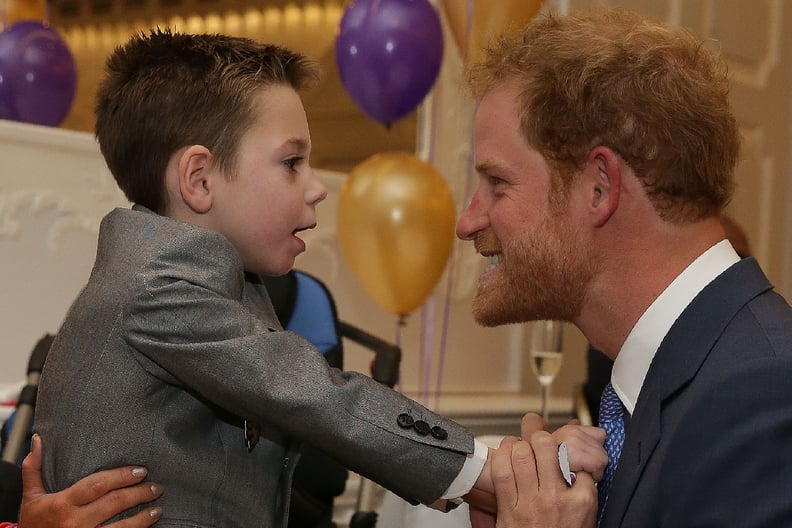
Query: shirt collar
pixel 640 347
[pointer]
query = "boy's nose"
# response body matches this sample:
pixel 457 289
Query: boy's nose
pixel 318 192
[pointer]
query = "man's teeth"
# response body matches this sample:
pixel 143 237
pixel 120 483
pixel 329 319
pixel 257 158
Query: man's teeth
pixel 493 261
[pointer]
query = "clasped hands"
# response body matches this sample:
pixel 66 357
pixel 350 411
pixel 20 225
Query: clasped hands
pixel 527 487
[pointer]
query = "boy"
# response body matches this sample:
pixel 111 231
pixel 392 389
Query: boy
pixel 172 355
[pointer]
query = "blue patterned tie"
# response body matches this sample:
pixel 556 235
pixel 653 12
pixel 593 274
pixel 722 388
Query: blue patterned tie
pixel 611 418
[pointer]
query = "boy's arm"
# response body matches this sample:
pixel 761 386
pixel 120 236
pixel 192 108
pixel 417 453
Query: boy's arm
pixel 202 335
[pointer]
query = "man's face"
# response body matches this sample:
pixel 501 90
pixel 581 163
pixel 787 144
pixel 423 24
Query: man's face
pixel 539 262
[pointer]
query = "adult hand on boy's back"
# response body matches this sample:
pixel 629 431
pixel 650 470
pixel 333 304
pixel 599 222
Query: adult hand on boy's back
pixel 89 502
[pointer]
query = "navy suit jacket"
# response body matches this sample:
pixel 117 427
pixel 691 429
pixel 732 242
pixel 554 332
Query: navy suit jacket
pixel 710 440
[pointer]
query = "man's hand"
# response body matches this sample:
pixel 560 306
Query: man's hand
pixel 482 496
pixel 88 503
pixel 530 491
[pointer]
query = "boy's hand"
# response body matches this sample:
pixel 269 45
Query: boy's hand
pixel 585 447
pixel 531 492
pixel 88 503
pixel 585 443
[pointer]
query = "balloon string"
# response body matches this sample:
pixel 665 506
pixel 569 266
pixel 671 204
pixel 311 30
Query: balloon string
pixel 401 321
pixel 427 332
pixel 444 332
pixel 425 150
pixel 429 338
pixel 450 280
pixel 422 357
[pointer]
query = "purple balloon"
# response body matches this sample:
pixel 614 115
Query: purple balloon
pixel 38 77
pixel 388 54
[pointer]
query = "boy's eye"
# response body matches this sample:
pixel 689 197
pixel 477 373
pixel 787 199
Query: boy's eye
pixel 292 162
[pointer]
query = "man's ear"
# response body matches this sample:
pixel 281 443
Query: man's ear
pixel 195 178
pixel 603 184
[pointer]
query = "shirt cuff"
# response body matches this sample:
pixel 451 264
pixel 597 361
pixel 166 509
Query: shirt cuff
pixel 470 472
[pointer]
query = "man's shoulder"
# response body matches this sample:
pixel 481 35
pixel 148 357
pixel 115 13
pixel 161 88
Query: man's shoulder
pixel 740 300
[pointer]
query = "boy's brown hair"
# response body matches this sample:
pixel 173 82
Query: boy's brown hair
pixel 164 91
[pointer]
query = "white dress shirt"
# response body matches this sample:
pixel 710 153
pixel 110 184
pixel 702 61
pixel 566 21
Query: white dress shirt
pixel 474 463
pixel 640 347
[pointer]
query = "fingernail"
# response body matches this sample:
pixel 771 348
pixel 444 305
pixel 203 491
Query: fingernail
pixel 139 472
pixel 156 489
pixel 155 513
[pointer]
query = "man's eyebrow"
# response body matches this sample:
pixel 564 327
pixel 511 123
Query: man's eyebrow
pixel 486 166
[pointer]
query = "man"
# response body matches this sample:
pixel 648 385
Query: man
pixel 605 150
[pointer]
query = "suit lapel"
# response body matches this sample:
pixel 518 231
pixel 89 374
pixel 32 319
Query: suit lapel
pixel 680 356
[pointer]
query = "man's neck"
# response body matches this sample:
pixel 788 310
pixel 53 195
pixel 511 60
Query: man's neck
pixel 636 275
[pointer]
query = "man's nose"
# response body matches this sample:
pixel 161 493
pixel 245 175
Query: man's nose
pixel 472 220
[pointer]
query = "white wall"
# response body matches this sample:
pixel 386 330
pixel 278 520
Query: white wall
pixel 54 189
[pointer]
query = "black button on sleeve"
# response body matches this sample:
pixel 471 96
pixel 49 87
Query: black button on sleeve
pixel 439 433
pixel 422 428
pixel 405 421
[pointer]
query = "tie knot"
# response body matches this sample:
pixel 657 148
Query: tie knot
pixel 611 407
pixel 611 419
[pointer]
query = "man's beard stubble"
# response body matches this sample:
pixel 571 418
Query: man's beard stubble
pixel 543 275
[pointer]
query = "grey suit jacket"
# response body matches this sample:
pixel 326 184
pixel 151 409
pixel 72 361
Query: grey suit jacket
pixel 710 441
pixel 166 350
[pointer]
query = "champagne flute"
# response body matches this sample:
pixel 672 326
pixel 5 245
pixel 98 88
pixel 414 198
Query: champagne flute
pixel 546 358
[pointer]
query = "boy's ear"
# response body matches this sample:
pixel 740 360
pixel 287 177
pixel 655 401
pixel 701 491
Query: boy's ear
pixel 195 178
pixel 603 184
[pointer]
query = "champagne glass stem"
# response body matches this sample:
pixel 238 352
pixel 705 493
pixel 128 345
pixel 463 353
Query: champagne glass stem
pixel 546 403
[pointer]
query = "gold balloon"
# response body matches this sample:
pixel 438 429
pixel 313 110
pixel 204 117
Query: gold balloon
pixel 473 31
pixel 17 10
pixel 396 221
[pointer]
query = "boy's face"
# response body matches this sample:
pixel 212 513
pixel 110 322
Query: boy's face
pixel 274 193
